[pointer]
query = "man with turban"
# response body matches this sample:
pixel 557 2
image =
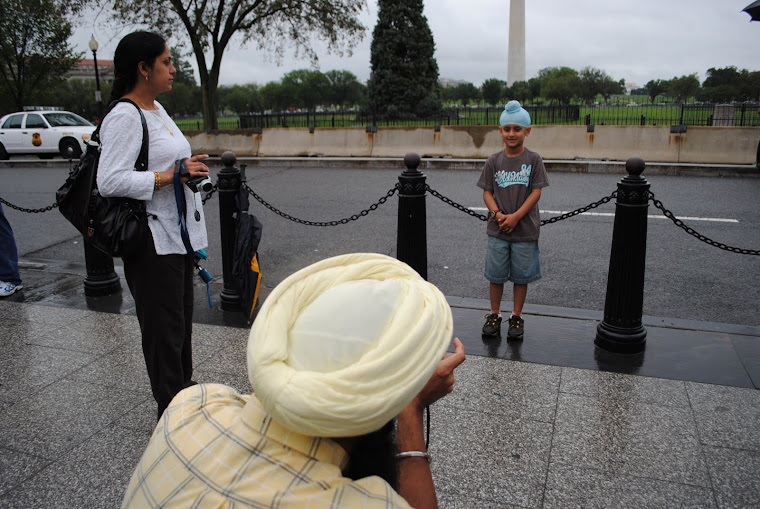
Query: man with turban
pixel 338 352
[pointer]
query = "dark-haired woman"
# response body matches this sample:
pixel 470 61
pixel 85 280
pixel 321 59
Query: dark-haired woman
pixel 160 275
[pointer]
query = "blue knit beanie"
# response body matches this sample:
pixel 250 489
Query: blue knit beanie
pixel 514 114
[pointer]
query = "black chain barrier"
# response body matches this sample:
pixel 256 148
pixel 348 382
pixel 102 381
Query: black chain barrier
pixel 55 205
pixel 345 220
pixel 691 231
pixel 33 211
pixel 551 220
pixel 657 203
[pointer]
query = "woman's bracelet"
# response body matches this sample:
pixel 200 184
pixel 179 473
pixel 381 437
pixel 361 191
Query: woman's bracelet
pixel 157 184
pixel 413 454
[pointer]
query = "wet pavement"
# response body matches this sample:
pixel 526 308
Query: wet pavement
pixel 550 421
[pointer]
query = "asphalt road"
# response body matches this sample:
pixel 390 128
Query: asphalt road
pixel 685 278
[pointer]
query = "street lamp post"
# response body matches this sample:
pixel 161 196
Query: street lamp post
pixel 101 278
pixel 98 97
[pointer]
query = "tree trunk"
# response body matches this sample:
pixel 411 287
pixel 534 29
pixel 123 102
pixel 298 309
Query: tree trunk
pixel 208 92
pixel 209 85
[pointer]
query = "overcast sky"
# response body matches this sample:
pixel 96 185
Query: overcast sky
pixel 635 41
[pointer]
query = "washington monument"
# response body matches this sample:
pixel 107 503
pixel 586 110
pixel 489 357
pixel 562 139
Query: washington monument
pixel 516 53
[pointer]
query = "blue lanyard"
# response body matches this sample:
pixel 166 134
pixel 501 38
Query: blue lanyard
pixel 179 195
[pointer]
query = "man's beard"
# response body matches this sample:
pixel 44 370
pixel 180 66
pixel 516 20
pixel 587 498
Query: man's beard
pixel 375 454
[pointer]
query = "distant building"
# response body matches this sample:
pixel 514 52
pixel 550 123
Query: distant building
pixel 448 82
pixel 85 70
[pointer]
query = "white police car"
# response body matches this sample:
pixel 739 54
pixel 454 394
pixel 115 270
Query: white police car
pixel 45 133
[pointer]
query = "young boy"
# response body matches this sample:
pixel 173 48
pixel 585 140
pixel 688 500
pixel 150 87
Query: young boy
pixel 512 180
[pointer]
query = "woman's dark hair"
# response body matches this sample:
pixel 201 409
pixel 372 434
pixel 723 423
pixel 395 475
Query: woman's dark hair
pixel 132 49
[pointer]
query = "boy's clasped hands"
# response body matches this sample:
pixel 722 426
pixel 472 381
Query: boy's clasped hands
pixel 507 222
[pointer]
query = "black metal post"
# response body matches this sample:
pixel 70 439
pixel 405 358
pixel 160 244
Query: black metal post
pixel 98 96
pixel 621 330
pixel 228 186
pixel 411 241
pixel 101 279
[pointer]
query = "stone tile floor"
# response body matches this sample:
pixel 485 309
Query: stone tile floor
pixel 77 413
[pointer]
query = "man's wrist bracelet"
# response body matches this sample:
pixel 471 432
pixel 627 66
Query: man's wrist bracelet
pixel 413 454
pixel 157 182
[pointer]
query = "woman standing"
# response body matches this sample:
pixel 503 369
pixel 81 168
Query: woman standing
pixel 159 275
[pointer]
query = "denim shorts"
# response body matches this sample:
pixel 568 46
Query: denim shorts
pixel 512 261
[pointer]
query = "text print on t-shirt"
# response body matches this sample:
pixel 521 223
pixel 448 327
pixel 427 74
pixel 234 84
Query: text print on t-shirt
pixel 510 178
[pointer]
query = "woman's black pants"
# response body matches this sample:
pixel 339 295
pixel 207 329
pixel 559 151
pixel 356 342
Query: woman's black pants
pixel 162 288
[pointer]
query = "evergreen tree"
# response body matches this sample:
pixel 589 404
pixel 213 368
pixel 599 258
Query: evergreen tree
pixel 404 80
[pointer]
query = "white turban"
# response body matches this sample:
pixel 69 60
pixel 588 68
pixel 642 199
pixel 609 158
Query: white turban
pixel 342 346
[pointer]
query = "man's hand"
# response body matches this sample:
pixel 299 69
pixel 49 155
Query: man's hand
pixel 442 381
pixel 415 482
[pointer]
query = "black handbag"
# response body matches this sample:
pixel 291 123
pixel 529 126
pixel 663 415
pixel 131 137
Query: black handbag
pixel 116 226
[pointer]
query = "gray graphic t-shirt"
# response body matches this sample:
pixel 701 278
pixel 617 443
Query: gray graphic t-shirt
pixel 511 180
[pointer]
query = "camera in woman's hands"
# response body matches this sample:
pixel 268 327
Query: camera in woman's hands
pixel 202 184
pixel 195 184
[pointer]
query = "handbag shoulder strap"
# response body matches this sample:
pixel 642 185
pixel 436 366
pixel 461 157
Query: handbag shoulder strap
pixel 140 165
pixel 142 158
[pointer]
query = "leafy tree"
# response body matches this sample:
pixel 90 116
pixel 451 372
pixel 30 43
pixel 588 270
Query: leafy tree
pixel 182 99
pixel 34 48
pixel 589 83
pixel 593 82
pixel 74 95
pixel 535 87
pixel 447 93
pixel 466 92
pixel 184 72
pixel 275 96
pixel 729 84
pixel 724 76
pixel 655 88
pixel 239 98
pixel 211 25
pixel 344 89
pixel 609 87
pixel 309 87
pixel 493 90
pixel 750 88
pixel 684 87
pixel 522 91
pixel 558 83
pixel 404 79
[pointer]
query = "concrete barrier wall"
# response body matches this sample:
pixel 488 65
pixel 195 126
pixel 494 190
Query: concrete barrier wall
pixel 709 145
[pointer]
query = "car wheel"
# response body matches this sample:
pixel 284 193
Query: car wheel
pixel 73 145
pixel 3 153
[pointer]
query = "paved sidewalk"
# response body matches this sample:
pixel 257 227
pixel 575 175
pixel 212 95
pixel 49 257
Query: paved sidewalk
pixel 548 422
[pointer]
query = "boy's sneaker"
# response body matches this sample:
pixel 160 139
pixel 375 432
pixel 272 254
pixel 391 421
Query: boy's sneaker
pixel 516 327
pixel 492 327
pixel 7 289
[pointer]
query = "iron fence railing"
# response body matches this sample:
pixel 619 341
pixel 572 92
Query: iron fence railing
pixel 691 114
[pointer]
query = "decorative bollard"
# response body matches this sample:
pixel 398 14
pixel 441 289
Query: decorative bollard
pixel 411 240
pixel 228 186
pixel 621 330
pixel 101 279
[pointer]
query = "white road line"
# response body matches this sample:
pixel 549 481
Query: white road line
pixel 612 214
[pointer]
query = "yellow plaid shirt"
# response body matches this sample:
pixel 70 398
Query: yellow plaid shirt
pixel 216 448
